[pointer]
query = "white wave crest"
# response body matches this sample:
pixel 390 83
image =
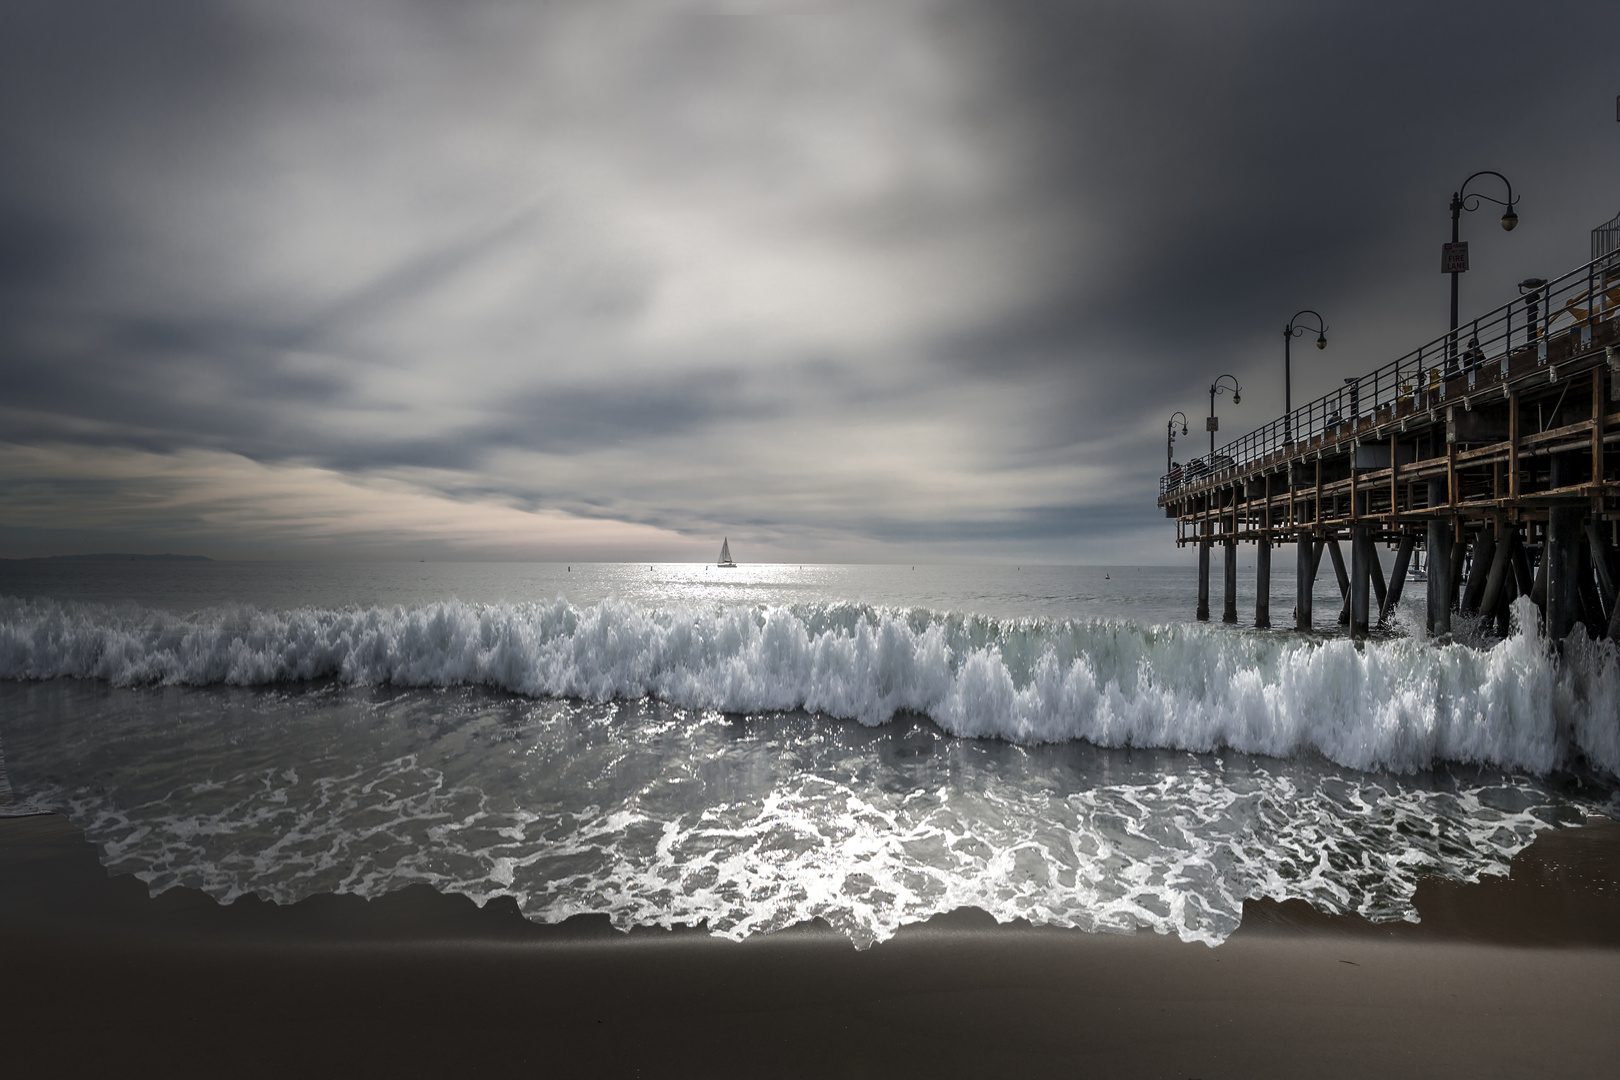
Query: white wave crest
pixel 1399 704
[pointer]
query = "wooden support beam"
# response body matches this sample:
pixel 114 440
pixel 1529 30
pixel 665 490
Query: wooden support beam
pixel 1484 556
pixel 1597 427
pixel 1394 478
pixel 1538 587
pixel 1459 563
pixel 1229 574
pixel 1377 569
pixel 1316 507
pixel 1524 579
pixel 1563 570
pixel 1397 579
pixel 1593 615
pixel 1355 502
pixel 1510 593
pixel 1438 545
pixel 1304 579
pixel 1513 446
pixel 1600 561
pixel 1293 499
pixel 1228 580
pixel 1360 578
pixel 1262 583
pixel 1453 490
pixel 1203 574
pixel 1339 572
pixel 1501 568
pixel 1343 579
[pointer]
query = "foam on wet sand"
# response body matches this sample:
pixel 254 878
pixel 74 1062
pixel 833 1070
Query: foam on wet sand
pixel 1514 976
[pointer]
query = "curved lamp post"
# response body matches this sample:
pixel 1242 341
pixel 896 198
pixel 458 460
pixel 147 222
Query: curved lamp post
pixel 1290 332
pixel 1170 439
pixel 1219 387
pixel 1456 254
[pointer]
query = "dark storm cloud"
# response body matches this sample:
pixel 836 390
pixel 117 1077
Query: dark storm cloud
pixel 1243 161
pixel 153 384
pixel 881 277
pixel 561 419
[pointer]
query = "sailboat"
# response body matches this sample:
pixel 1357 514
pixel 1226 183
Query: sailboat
pixel 725 553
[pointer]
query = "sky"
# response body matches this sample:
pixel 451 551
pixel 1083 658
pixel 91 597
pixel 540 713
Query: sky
pixel 869 281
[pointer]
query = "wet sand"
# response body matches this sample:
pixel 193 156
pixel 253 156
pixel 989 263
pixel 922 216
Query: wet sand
pixel 1516 976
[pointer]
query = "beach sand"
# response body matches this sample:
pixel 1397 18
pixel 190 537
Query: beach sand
pixel 1516 976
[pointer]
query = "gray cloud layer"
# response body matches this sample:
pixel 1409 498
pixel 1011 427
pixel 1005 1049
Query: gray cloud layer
pixel 860 280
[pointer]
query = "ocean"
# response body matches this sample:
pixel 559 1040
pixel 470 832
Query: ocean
pixel 751 748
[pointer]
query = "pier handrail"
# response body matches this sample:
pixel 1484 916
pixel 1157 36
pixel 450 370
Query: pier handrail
pixel 1573 303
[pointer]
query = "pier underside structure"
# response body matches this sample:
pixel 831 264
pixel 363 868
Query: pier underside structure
pixel 1491 454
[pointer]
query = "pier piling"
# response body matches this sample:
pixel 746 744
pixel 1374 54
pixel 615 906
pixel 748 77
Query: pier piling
pixel 1563 562
pixel 1601 563
pixel 1438 545
pixel 1343 578
pixel 1360 580
pixel 1591 606
pixel 1478 573
pixel 1504 606
pixel 1203 576
pixel 1496 577
pixel 1524 578
pixel 1262 583
pixel 1397 578
pixel 1459 565
pixel 1538 587
pixel 1304 579
pixel 1376 571
pixel 1229 581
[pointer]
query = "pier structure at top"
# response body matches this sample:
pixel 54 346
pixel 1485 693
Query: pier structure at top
pixel 1494 451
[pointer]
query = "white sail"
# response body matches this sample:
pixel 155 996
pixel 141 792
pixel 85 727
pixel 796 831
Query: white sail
pixel 725 553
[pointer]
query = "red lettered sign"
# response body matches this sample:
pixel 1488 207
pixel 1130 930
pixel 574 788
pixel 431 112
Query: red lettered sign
pixel 1454 258
pixel 1212 423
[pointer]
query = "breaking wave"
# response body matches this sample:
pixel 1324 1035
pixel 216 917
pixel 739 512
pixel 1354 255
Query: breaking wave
pixel 1399 704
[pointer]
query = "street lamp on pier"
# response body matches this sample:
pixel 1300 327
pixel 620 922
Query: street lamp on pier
pixel 1170 440
pixel 1290 332
pixel 1454 256
pixel 1219 387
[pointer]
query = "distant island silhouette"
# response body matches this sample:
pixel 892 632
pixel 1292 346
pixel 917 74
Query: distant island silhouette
pixel 113 556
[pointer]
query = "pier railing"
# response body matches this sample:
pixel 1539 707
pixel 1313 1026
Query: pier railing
pixel 1552 318
pixel 1606 238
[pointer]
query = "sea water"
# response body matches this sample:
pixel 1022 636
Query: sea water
pixel 755 747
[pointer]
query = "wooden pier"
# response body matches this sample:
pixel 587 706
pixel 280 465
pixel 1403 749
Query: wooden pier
pixel 1493 453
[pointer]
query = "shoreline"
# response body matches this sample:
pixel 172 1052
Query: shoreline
pixel 1563 891
pixel 1514 976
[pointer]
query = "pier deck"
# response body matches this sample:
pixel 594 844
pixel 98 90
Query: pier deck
pixel 1495 452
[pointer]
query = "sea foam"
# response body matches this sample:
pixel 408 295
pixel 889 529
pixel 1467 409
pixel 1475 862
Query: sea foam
pixel 1398 704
